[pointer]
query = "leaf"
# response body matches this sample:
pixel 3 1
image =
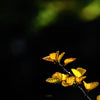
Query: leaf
pixel 64 76
pixel 81 70
pixel 57 55
pixel 78 72
pixel 47 58
pixel 57 75
pixel 53 57
pixel 68 60
pixel 60 76
pixel 52 80
pixel 60 56
pixel 90 86
pixel 98 97
pixel 65 84
pixel 80 79
pixel 69 81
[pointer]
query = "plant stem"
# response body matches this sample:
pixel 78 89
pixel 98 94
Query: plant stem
pixel 65 69
pixel 85 94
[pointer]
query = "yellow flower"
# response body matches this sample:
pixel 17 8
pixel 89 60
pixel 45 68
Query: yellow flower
pixel 90 86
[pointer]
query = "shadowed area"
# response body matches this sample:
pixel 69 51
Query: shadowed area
pixel 31 30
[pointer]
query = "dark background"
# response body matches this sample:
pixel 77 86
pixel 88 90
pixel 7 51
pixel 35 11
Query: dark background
pixel 23 72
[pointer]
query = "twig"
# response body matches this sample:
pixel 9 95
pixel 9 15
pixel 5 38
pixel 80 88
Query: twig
pixel 65 69
pixel 84 92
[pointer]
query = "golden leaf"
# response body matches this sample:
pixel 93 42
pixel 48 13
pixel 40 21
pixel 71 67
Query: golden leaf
pixel 47 58
pixel 65 84
pixel 52 80
pixel 80 79
pixel 98 97
pixel 81 70
pixel 78 72
pixel 60 56
pixel 64 76
pixel 53 57
pixel 90 86
pixel 68 60
pixel 57 75
pixel 60 76
pixel 69 81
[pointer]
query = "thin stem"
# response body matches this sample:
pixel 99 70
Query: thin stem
pixel 85 94
pixel 82 90
pixel 65 69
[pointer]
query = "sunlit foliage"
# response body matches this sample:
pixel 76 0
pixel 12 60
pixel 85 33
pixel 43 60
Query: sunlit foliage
pixel 91 11
pixel 69 79
pixel 50 11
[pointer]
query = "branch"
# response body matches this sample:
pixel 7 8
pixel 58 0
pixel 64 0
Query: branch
pixel 85 94
pixel 65 69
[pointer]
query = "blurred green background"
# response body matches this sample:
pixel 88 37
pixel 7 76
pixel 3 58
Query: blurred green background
pixel 31 29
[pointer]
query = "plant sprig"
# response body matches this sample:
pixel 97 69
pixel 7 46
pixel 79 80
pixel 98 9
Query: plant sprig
pixel 70 78
pixel 85 94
